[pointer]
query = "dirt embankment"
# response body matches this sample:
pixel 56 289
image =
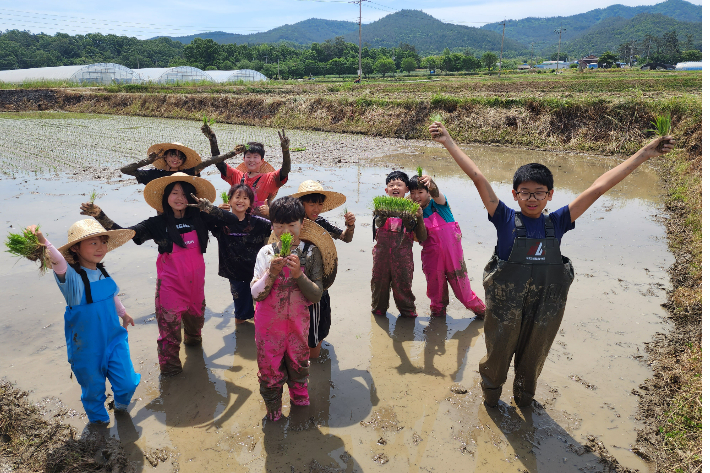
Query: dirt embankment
pixel 670 401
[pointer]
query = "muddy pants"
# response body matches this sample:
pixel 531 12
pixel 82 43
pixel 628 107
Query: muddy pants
pixel 393 267
pixel 442 263
pixel 281 325
pixel 179 300
pixel 97 347
pixel 525 302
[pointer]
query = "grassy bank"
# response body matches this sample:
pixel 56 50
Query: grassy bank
pixel 601 113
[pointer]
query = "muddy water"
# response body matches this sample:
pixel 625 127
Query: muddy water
pixel 386 391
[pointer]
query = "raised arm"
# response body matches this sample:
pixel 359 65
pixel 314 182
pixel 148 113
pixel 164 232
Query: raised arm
pixel 488 196
pixel 130 169
pixel 207 131
pixel 609 179
pixel 219 159
pixel 286 165
pixel 92 210
pixel 438 197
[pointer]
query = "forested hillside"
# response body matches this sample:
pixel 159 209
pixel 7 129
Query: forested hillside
pixel 541 30
pixel 304 32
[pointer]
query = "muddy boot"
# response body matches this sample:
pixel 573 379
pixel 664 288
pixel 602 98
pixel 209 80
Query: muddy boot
pixel 299 393
pixel 191 341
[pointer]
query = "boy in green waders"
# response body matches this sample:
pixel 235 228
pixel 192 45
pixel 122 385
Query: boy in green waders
pixel 527 279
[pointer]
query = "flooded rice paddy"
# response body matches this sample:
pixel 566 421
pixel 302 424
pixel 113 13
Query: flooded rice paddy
pixel 388 393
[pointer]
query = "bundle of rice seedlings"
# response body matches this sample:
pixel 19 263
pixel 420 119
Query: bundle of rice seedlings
pixel 225 197
pixel 93 196
pixel 345 211
pixel 286 239
pixel 26 245
pixel 661 125
pixel 387 206
pixel 419 171
pixel 436 117
pixel 209 122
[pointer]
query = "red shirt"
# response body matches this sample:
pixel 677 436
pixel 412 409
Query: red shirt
pixel 265 185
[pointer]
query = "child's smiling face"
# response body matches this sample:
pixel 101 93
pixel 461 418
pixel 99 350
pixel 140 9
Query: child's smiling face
pixel 396 188
pixel 239 203
pixel 253 161
pixel 532 197
pixel 420 196
pixel 313 209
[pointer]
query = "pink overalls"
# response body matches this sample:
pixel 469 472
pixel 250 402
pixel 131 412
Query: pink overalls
pixel 393 266
pixel 281 325
pixel 179 297
pixel 442 261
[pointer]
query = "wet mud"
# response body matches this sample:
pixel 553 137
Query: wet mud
pixel 386 393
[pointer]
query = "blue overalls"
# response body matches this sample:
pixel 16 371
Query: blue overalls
pixel 525 302
pixel 97 347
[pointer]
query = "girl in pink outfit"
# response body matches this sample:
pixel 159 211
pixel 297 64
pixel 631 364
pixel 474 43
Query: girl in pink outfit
pixel 442 254
pixel 283 289
pixel 180 230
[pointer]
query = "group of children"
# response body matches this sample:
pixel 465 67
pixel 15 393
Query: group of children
pixel 526 281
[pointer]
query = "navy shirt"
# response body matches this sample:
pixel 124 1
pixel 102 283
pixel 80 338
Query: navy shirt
pixel 144 176
pixel 504 220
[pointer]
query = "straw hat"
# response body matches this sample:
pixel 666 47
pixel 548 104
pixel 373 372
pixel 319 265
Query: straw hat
pixel 192 159
pixel 332 199
pixel 89 228
pixel 265 167
pixel 311 231
pixel 153 192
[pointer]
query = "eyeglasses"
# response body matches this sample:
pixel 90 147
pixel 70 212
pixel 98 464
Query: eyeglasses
pixel 525 195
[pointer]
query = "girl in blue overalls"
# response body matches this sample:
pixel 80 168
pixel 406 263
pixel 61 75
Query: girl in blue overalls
pixel 97 342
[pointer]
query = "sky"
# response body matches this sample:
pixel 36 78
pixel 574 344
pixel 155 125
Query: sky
pixel 147 19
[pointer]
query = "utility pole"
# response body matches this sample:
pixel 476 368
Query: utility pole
pixel 559 30
pixel 500 66
pixel 359 55
pixel 532 54
pixel 278 68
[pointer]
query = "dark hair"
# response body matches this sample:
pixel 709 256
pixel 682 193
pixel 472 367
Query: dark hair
pixel 180 154
pixel 314 198
pixel 191 212
pixel 286 210
pixel 255 147
pixel 415 184
pixel 242 188
pixel 534 172
pixel 397 176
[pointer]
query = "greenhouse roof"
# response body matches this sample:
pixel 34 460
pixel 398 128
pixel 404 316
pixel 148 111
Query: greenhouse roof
pixel 103 73
pixel 246 75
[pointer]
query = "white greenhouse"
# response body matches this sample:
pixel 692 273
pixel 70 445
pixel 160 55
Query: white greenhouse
pixel 99 73
pixel 689 66
pixel 245 75
pixel 171 75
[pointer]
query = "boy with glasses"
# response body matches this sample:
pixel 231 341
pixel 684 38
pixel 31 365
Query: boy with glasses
pixel 527 279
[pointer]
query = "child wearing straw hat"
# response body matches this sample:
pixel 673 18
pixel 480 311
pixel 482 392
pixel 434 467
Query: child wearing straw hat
pixel 97 343
pixel 284 287
pixel 254 171
pixel 316 200
pixel 442 254
pixel 239 243
pixel 169 158
pixel 186 215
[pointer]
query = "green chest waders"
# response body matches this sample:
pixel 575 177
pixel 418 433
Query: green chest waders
pixel 525 300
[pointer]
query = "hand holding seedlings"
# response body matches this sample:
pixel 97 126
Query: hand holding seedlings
pixel 426 180
pixel 90 209
pixel 29 244
pixel 203 204
pixel 294 266
pixel 285 142
pixel 661 145
pixel 349 219
pixel 439 133
pixel 286 240
pixel 276 266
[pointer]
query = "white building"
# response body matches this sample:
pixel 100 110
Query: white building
pixel 689 66
pixel 99 73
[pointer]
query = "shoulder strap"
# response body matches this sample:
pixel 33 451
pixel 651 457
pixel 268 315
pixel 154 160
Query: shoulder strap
pixel 257 181
pixel 306 246
pixel 100 267
pixel 87 285
pixel 549 227
pixel 243 177
pixel 520 231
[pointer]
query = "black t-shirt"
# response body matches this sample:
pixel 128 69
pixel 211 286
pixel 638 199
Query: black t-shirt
pixel 334 231
pixel 239 243
pixel 144 176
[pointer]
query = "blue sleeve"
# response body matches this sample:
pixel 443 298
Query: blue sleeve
pixel 562 220
pixel 72 288
pixel 504 221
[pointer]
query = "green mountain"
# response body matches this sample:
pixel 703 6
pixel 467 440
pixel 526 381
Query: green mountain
pixel 304 32
pixel 541 31
pixel 429 35
pixel 611 32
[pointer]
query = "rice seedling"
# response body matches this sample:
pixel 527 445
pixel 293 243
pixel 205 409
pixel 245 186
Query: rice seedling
pixel 297 149
pixel 26 245
pixel 394 206
pixel 225 197
pixel 419 171
pixel 345 211
pixel 661 125
pixel 286 239
pixel 436 117
pixel 93 196
pixel 207 122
